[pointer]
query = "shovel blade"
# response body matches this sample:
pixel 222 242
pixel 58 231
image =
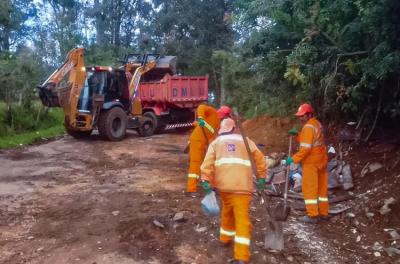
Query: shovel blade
pixel 274 237
pixel 280 212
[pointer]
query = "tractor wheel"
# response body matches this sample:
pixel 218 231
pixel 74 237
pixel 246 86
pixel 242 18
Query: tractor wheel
pixel 112 124
pixel 147 127
pixel 158 122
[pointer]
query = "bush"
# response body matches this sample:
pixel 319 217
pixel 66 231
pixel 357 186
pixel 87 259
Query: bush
pixel 28 118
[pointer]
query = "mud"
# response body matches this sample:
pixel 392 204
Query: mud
pixel 71 201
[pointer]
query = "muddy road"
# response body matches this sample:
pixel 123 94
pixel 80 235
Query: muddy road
pixel 70 201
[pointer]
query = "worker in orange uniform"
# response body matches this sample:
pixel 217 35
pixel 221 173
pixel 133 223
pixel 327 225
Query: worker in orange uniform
pixel 227 167
pixel 204 133
pixel 313 157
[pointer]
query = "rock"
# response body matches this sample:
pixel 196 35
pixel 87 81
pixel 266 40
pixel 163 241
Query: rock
pixel 179 217
pixel 158 224
pixel 350 215
pixel 385 209
pixel 358 239
pixel 377 246
pixel 347 177
pixel 377 254
pixel 30 237
pixel 370 215
pixel 290 259
pixel 391 251
pixel 394 235
pixel 374 167
pixel 201 229
pixel 115 213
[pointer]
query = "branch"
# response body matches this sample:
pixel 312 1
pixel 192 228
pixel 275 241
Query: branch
pixel 376 116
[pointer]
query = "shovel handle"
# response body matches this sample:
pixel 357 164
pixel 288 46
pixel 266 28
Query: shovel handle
pixel 287 172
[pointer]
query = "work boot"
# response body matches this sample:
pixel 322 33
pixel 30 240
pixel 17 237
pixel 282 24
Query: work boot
pixel 239 262
pixel 308 219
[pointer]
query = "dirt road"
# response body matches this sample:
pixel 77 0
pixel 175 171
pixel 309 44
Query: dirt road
pixel 70 201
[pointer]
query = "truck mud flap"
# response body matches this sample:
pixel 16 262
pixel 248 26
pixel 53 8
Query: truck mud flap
pixel 179 125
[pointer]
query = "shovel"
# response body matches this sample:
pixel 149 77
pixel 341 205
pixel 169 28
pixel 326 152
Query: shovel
pixel 274 236
pixel 282 210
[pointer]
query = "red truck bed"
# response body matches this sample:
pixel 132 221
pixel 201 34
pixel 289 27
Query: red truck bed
pixel 175 90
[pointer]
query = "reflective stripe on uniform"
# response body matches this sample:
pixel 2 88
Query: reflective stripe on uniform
pixel 232 161
pixel 313 127
pixel 193 175
pixel 316 143
pixel 242 240
pixel 226 232
pixel 209 127
pixel 305 145
pixel 311 201
pixel 323 199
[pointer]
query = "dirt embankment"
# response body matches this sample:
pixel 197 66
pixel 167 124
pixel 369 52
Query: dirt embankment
pixel 364 229
pixel 270 132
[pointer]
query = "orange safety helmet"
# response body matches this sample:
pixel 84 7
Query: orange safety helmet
pixel 224 111
pixel 304 109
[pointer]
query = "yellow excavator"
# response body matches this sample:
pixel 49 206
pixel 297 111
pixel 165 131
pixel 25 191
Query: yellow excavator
pixel 103 97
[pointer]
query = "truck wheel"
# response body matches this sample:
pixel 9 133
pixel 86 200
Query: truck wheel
pixel 158 122
pixel 112 124
pixel 147 127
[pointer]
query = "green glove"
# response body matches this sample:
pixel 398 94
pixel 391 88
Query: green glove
pixel 202 122
pixel 206 187
pixel 261 184
pixel 293 131
pixel 289 161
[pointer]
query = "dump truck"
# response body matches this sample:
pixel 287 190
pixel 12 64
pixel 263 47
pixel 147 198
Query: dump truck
pixel 172 101
pixel 108 98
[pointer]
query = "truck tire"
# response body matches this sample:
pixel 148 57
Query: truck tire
pixel 158 122
pixel 112 124
pixel 147 127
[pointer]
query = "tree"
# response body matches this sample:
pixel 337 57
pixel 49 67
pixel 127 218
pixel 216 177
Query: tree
pixel 13 17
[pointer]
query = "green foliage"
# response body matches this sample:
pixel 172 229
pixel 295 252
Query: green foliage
pixel 30 137
pixel 28 118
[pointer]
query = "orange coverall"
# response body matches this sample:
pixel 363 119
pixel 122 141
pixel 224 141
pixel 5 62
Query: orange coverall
pixel 312 155
pixel 199 141
pixel 227 167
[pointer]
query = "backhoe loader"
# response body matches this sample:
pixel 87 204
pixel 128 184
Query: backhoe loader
pixel 102 97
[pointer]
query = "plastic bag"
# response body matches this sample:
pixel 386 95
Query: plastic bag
pixel 209 204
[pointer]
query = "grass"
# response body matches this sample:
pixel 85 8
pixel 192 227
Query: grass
pixel 29 124
pixel 30 137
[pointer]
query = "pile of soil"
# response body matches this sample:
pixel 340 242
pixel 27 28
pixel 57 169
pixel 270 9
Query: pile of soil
pixel 270 133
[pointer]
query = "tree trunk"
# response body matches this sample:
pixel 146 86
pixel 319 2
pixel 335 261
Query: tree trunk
pixel 100 18
pixel 222 99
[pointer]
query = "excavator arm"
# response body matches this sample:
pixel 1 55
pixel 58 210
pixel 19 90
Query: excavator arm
pixel 139 69
pixel 64 85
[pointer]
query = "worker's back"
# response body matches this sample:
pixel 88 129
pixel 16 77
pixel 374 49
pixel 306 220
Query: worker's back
pixel 210 130
pixel 311 136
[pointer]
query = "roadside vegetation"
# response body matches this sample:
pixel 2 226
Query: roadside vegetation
pixel 23 124
pixel 261 56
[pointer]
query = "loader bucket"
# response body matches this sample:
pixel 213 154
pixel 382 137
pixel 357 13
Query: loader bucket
pixel 165 65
